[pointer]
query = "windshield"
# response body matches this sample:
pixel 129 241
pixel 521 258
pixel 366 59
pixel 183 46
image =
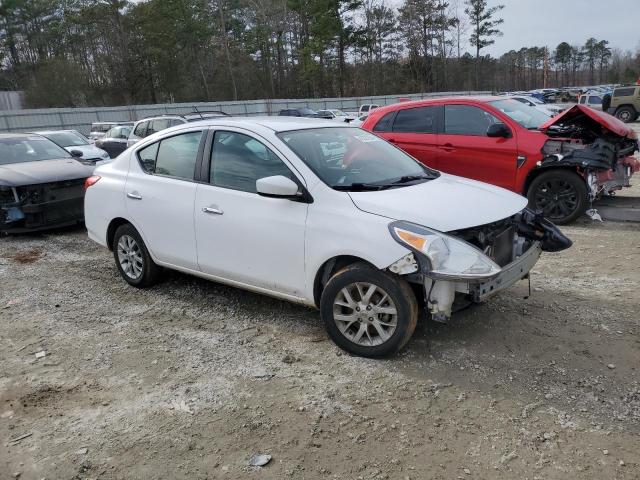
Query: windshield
pixel 528 117
pixel 29 149
pixel 67 139
pixel 352 159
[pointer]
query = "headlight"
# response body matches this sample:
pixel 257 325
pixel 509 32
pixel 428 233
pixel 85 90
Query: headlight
pixel 448 257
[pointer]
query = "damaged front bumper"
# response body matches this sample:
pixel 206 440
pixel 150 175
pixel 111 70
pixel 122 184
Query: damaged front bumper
pixel 39 207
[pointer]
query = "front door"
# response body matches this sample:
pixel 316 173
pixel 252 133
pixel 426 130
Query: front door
pixel 242 236
pixel 467 151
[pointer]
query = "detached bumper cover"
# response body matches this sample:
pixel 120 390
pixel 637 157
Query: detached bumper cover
pixel 510 274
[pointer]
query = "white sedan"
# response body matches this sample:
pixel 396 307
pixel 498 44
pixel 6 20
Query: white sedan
pixel 317 213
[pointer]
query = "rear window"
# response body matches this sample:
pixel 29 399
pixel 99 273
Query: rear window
pixel 624 92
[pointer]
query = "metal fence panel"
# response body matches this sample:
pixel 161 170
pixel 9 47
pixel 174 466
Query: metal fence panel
pixel 81 118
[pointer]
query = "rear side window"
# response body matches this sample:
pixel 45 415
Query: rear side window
pixel 416 120
pixel 583 99
pixel 624 92
pixel 385 124
pixel 140 129
pixel 173 157
pixel 467 120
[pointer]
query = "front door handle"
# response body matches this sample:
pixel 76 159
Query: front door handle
pixel 448 147
pixel 134 196
pixel 213 210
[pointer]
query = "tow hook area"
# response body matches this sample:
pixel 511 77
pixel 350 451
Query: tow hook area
pixel 532 225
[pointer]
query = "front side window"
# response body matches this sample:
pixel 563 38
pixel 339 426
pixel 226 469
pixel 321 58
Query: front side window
pixel 583 99
pixel 350 158
pixel 238 161
pixel 528 117
pixel 173 156
pixel 29 149
pixel 416 120
pixel 595 100
pixel 470 120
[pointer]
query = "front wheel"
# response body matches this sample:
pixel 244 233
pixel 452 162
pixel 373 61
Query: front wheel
pixel 560 194
pixel 368 312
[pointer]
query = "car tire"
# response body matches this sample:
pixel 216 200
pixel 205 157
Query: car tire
pixel 375 317
pixel 626 114
pixel 560 194
pixel 132 258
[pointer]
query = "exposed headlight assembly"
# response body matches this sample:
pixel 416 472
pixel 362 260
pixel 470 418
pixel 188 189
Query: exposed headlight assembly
pixel 448 258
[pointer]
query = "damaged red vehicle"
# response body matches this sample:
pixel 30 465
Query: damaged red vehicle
pixel 561 164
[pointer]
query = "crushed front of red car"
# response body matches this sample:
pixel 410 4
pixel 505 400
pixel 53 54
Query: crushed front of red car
pixel 597 144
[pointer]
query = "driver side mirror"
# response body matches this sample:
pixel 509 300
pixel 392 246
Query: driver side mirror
pixel 277 186
pixel 498 130
pixel 76 153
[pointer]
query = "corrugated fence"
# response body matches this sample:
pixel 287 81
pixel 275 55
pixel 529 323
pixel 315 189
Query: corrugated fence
pixel 81 118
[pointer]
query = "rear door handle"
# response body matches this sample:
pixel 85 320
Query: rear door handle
pixel 134 196
pixel 213 210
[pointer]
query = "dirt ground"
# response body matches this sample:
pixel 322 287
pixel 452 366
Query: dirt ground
pixel 189 379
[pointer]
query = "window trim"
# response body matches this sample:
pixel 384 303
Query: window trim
pixel 196 169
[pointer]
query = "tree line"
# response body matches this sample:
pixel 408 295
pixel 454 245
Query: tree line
pixel 114 52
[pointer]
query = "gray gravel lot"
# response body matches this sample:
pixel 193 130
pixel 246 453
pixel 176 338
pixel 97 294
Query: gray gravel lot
pixel 190 378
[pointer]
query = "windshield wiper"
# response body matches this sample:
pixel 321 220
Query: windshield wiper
pixel 413 178
pixel 359 187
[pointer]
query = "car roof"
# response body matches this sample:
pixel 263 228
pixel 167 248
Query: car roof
pixel 47 132
pixel 17 135
pixel 275 123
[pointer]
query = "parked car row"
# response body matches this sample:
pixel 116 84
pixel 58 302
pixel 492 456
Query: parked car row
pixel 363 223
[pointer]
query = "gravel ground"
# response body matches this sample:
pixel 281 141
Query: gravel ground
pixel 189 379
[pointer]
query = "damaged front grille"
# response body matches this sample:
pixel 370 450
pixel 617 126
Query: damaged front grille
pixel 496 240
pixel 43 205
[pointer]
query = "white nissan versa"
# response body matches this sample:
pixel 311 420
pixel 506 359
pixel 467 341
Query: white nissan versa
pixel 317 213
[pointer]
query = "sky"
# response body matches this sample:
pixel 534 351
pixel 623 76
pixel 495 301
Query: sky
pixel 549 22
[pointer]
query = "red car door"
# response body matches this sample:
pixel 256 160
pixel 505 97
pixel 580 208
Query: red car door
pixel 414 130
pixel 467 151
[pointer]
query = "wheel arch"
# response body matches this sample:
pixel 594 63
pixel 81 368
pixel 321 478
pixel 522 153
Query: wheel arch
pixel 111 229
pixel 536 172
pixel 328 268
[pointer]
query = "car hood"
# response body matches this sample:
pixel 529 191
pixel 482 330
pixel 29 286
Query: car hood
pixel 445 204
pixel 88 151
pixel 578 114
pixel 45 171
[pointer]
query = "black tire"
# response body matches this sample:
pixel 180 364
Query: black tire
pixel 400 298
pixel 146 272
pixel 560 194
pixel 626 114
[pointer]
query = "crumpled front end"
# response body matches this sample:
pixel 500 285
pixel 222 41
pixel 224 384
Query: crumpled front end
pixel 506 252
pixel 41 206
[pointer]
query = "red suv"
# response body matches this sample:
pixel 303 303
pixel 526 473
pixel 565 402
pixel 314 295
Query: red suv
pixel 560 164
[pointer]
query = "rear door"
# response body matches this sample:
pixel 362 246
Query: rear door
pixel 160 194
pixel 466 150
pixel 414 130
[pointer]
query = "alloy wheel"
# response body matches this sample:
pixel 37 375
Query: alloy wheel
pixel 130 257
pixel 365 314
pixel 557 198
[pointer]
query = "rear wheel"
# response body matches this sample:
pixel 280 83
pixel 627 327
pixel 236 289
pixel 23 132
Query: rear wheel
pixel 132 258
pixel 626 114
pixel 368 312
pixel 560 194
